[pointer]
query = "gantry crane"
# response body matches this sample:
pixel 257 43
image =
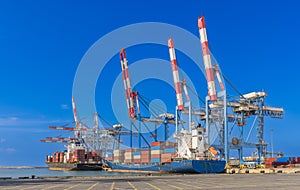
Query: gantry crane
pixel 221 108
pixel 223 113
pixel 93 138
pixel 133 100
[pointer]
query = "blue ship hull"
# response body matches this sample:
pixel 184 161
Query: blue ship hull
pixel 182 166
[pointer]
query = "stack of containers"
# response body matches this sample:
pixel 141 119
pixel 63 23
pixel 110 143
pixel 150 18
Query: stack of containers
pixel 297 162
pixel 97 155
pixel 169 151
pixel 269 162
pixel 89 156
pixel 119 156
pixel 48 159
pixel 292 161
pixel 55 156
pixel 145 156
pixel 280 162
pixel 61 157
pixel 128 155
pixel 109 157
pixel 156 152
pixel 71 157
pixel 137 156
pixel 79 155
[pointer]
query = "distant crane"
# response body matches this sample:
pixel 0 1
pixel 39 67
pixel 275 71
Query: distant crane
pixel 93 138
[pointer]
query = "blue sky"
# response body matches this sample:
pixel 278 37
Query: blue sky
pixel 42 43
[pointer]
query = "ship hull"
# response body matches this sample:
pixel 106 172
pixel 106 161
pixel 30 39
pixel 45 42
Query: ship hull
pixel 75 166
pixel 183 166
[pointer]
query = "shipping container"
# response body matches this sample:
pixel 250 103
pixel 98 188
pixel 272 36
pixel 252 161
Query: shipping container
pixel 170 150
pixel 155 143
pixel 155 160
pixel 145 160
pixel 297 165
pixel 155 147
pixel 282 159
pixel 137 153
pixel 128 161
pixel 155 152
pixel 155 155
pixel 129 150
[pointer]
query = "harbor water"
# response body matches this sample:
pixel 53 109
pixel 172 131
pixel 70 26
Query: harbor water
pixel 45 172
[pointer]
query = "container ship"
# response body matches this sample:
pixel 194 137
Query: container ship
pixel 75 158
pixel 189 154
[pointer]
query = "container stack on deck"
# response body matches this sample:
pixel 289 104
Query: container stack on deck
pixel 159 152
pixel 156 152
pixel 79 155
pixel 109 156
pixel 137 156
pixel 145 156
pixel 119 156
pixel 49 159
pixel 128 155
pixel 97 155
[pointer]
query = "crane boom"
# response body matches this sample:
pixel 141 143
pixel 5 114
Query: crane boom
pixel 217 71
pixel 127 85
pixel 185 90
pixel 207 60
pixel 175 74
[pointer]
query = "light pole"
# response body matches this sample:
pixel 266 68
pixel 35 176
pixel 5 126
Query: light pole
pixel 272 146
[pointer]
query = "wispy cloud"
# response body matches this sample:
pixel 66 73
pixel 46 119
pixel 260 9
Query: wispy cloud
pixel 2 140
pixel 38 124
pixel 7 150
pixel 64 107
pixel 16 121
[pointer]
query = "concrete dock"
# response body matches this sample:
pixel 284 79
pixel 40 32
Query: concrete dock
pixel 206 181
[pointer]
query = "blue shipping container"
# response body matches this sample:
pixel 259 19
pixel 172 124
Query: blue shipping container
pixel 155 147
pixel 282 159
pixel 155 160
pixel 137 153
pixel 169 150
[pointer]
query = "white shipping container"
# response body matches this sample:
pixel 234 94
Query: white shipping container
pixel 155 151
pixel 119 152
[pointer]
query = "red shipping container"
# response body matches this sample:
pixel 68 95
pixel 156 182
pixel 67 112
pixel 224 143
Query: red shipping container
pixel 155 155
pixel 166 155
pixel 155 143
pixel 128 161
pixel 164 160
pixel 129 150
pixel 145 159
